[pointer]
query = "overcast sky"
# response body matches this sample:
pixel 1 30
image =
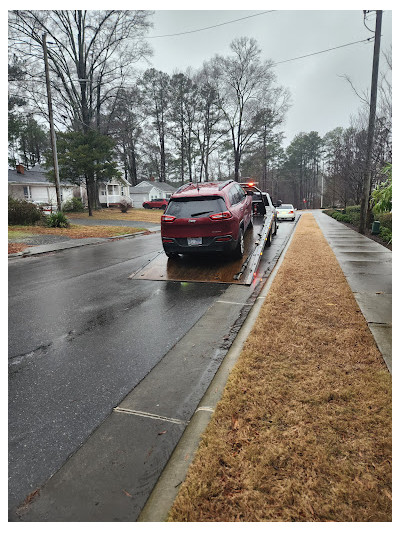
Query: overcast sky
pixel 322 99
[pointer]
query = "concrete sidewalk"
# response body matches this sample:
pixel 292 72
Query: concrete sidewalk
pixel 367 266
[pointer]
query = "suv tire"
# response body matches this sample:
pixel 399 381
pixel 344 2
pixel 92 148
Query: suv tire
pixel 239 250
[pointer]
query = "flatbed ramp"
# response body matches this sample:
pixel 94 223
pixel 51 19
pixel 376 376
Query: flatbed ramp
pixel 211 268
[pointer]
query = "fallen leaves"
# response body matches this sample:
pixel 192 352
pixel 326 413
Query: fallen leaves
pixel 144 215
pixel 16 247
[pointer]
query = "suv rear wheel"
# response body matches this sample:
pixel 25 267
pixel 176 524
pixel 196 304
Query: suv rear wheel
pixel 239 250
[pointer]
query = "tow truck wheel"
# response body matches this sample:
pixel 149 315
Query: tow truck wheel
pixel 239 250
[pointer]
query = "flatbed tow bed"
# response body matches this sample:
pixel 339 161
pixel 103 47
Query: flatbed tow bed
pixel 209 268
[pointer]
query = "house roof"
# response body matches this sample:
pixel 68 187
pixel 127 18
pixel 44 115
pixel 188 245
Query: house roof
pixel 146 186
pixel 35 176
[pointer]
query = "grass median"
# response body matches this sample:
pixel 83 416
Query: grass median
pixel 303 430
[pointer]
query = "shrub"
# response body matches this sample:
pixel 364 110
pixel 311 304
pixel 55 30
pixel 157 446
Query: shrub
pixel 124 205
pixel 386 234
pixel 382 195
pixel 353 212
pixel 329 212
pixel 343 218
pixel 57 220
pixel 75 205
pixel 21 212
pixel 385 219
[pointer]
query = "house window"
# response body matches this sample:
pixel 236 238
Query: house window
pixel 113 190
pixel 27 192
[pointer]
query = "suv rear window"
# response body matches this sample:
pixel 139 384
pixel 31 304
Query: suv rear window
pixel 195 207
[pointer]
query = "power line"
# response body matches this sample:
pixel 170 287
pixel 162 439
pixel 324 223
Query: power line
pixel 369 39
pixel 293 58
pixel 209 27
pixel 323 51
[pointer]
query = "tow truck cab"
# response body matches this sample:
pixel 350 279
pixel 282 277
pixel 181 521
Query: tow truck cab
pixel 261 201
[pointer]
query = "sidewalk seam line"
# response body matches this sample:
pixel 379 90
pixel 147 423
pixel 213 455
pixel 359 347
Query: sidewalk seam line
pixel 122 410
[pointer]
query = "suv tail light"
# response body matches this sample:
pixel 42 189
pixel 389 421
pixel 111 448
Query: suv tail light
pixel 167 218
pixel 221 216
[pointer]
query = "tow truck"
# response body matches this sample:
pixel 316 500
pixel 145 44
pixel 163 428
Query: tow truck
pixel 220 269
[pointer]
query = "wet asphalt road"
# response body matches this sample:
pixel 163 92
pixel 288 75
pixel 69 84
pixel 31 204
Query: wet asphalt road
pixel 81 337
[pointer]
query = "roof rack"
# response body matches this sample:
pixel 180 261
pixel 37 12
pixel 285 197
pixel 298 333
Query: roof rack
pixel 224 184
pixel 183 187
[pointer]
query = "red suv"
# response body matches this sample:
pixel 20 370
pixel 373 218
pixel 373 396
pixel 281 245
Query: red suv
pixel 206 217
pixel 156 203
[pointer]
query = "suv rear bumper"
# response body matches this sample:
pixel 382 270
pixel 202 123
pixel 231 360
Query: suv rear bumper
pixel 209 245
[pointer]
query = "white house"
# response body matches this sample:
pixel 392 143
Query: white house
pixel 33 185
pixel 114 191
pixel 150 190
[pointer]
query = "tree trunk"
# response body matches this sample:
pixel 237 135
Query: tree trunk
pixel 182 154
pixel 133 167
pixel 237 164
pixel 89 195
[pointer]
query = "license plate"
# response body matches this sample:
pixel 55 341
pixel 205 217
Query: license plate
pixel 194 241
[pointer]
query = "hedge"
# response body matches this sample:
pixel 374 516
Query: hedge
pixel 23 213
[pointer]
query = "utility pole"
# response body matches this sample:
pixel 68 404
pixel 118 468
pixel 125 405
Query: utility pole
pixel 51 120
pixel 371 126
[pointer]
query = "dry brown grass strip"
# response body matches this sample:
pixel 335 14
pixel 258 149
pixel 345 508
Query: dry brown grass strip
pixel 113 213
pixel 74 231
pixel 303 431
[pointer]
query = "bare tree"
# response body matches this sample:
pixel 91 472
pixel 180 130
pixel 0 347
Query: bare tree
pixel 155 87
pixel 242 80
pixel 211 127
pixel 126 126
pixel 90 55
pixel 185 100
